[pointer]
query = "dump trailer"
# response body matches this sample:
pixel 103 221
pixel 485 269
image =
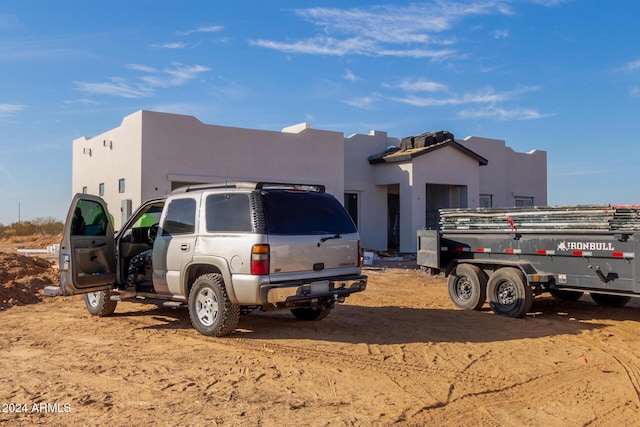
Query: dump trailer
pixel 508 256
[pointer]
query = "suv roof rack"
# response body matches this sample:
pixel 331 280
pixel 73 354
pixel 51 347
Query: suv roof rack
pixel 259 185
pixel 308 187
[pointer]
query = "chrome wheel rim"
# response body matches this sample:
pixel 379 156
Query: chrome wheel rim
pixel 206 307
pixel 93 298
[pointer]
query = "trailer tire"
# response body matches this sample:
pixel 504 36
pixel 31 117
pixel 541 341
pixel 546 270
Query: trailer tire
pixel 563 295
pixel 610 300
pixel 508 293
pixel 467 287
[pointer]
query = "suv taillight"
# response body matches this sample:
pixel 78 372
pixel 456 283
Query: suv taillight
pixel 260 259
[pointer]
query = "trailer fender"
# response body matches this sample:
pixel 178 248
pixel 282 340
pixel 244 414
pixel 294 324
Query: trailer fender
pixel 532 275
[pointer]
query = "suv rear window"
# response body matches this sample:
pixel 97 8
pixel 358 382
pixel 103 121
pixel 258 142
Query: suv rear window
pixel 301 212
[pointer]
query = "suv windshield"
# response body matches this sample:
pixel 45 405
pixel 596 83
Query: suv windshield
pixel 303 212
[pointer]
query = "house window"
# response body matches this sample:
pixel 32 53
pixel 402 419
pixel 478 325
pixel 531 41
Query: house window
pixel 351 205
pixel 486 200
pixel 522 202
pixel 101 189
pixel 84 190
pixel 121 185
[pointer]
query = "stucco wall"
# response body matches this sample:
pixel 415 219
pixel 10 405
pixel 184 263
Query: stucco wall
pixel 115 154
pixel 510 174
pixel 176 147
pixel 447 166
pixel 360 178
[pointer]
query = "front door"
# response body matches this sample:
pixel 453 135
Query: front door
pixel 87 251
pixel 175 244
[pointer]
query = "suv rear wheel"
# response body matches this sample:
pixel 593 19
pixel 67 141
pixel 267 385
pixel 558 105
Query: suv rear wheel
pixel 210 309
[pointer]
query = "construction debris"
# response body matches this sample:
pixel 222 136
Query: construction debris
pixel 575 217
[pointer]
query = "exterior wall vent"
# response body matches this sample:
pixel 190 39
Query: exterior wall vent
pixel 107 143
pixel 86 151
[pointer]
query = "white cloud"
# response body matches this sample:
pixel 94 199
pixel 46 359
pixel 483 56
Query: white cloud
pixel 175 45
pixel 140 67
pixel 489 97
pixel 549 3
pixel 116 87
pixel 205 29
pixel 419 85
pixel 501 34
pixel 482 96
pixel 401 31
pixel 631 66
pixel 365 102
pixel 82 101
pixel 635 91
pixel 176 75
pixel 11 108
pixel 348 75
pixel 503 114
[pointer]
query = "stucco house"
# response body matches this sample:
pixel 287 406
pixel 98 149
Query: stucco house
pixel 391 187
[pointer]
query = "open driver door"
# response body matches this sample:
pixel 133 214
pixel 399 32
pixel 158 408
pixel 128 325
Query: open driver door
pixel 87 252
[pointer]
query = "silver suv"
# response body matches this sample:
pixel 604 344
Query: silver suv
pixel 218 250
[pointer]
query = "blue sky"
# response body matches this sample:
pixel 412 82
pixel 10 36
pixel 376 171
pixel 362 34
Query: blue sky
pixel 555 75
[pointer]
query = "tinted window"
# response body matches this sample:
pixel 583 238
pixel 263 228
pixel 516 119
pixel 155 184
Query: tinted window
pixel 301 212
pixel 89 219
pixel 228 212
pixel 181 217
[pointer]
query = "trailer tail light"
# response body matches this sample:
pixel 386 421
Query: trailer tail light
pixel 260 259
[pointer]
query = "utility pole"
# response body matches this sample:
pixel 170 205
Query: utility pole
pixel 18 213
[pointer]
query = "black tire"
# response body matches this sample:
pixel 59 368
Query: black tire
pixel 308 313
pixel 563 295
pixel 210 309
pixel 99 303
pixel 467 286
pixel 610 300
pixel 508 293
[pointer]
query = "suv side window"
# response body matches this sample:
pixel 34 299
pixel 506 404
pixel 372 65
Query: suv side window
pixel 89 219
pixel 228 212
pixel 181 217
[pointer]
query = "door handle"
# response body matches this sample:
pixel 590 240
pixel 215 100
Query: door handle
pixel 184 247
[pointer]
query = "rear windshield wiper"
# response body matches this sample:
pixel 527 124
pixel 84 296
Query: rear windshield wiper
pixel 324 239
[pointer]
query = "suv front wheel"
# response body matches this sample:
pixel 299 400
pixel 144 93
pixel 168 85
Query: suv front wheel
pixel 99 303
pixel 210 309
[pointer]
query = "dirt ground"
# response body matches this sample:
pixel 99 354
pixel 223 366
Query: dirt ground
pixel 396 354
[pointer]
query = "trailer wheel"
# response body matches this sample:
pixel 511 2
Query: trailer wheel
pixel 508 293
pixel 467 286
pixel 610 300
pixel 563 295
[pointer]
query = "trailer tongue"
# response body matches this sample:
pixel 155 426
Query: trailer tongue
pixel 507 256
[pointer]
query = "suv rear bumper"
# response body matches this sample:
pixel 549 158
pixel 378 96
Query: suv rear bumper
pixel 297 291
